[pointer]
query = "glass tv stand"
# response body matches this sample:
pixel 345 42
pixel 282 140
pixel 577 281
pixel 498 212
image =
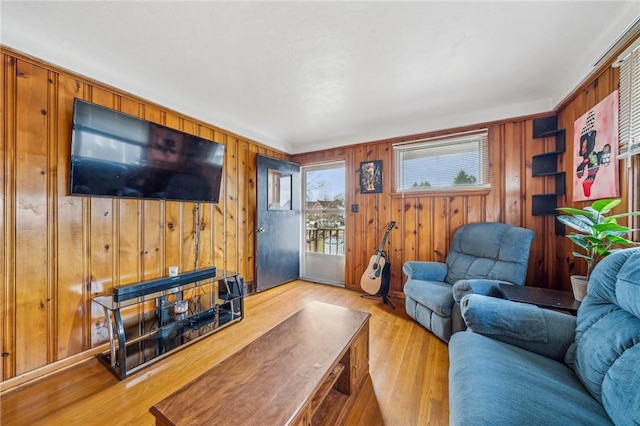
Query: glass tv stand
pixel 146 328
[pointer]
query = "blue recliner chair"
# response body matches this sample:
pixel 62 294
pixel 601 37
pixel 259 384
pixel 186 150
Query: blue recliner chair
pixel 481 254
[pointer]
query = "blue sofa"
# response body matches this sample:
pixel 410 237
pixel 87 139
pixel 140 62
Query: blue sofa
pixel 483 253
pixel 517 364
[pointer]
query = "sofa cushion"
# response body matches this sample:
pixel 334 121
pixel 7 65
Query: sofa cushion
pixel 494 383
pixel 435 295
pixel 606 352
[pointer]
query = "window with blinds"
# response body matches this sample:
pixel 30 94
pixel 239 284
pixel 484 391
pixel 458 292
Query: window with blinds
pixel 629 113
pixel 458 161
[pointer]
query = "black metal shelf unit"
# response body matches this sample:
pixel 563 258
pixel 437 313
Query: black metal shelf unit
pixel 546 165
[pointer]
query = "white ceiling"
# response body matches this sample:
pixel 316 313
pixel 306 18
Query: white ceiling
pixel 301 76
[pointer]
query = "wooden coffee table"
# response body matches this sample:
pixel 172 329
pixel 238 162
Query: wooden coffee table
pixel 542 297
pixel 308 369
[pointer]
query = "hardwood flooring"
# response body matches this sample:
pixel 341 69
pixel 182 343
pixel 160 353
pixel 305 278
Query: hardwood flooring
pixel 408 368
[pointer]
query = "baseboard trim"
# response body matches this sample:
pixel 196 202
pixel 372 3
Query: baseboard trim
pixel 42 372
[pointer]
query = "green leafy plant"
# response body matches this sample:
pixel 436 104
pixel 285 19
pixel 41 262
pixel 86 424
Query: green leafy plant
pixel 599 233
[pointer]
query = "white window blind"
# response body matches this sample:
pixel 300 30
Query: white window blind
pixel 456 161
pixel 629 114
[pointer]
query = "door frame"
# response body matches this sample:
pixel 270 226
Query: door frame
pixel 320 257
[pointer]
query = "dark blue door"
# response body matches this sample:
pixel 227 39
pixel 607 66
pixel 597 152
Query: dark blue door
pixel 278 222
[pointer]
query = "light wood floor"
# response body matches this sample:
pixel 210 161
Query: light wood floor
pixel 408 368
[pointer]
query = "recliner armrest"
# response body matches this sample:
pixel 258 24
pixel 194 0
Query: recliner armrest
pixel 478 286
pixel 545 332
pixel 425 270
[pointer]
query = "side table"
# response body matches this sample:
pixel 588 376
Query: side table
pixel 542 297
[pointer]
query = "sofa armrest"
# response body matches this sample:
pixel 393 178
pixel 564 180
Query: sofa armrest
pixel 545 332
pixel 423 270
pixel 478 286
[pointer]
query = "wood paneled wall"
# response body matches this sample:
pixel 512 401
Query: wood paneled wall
pixel 60 251
pixel 426 221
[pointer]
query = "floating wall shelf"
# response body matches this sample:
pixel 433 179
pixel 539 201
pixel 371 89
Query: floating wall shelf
pixel 546 165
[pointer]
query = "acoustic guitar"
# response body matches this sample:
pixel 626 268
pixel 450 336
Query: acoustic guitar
pixel 371 280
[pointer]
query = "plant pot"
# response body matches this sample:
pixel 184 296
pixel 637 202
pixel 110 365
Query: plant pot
pixel 579 286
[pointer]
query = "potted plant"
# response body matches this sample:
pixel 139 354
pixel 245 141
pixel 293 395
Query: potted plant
pixel 598 234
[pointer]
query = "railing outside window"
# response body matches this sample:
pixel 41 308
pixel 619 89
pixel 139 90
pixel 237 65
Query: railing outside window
pixel 325 240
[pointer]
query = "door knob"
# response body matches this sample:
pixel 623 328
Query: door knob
pixel 260 230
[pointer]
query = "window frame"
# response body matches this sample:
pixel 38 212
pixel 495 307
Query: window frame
pixel 480 135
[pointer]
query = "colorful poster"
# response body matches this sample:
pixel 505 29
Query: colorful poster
pixel 595 137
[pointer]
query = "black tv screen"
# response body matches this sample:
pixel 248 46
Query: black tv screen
pixel 117 155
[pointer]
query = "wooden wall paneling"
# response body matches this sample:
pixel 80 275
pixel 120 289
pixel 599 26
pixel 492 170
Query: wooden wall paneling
pixel 442 231
pixel 243 211
pixel 191 230
pixel 52 217
pixel 205 248
pixel 8 73
pixel 101 241
pixel 397 247
pixel 495 197
pixel 192 216
pixel 175 229
pixel 421 224
pixel 538 254
pixel 513 170
pixel 3 205
pixel 384 211
pixel 476 208
pixel 351 278
pixel 457 213
pixel 31 282
pixel 219 209
pixel 252 202
pixel 231 213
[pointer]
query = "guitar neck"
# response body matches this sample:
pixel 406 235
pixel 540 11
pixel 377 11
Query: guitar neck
pixel 384 240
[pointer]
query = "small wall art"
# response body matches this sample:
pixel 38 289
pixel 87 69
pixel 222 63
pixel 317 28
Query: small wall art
pixel 595 137
pixel 371 177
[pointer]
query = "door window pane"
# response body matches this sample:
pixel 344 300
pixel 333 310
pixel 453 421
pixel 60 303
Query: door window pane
pixel 325 210
pixel 278 191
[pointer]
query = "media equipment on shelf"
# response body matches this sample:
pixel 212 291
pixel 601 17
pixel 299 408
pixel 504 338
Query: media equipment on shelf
pixel 118 155
pixel 375 280
pixel 126 292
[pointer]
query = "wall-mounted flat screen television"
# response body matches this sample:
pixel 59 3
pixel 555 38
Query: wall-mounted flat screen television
pixel 117 155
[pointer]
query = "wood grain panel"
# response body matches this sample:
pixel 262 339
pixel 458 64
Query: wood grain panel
pixel 252 202
pixel 351 276
pixel 243 211
pixel 513 172
pixel 31 186
pixel 231 205
pixel 441 228
pixel 495 198
pixel 8 200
